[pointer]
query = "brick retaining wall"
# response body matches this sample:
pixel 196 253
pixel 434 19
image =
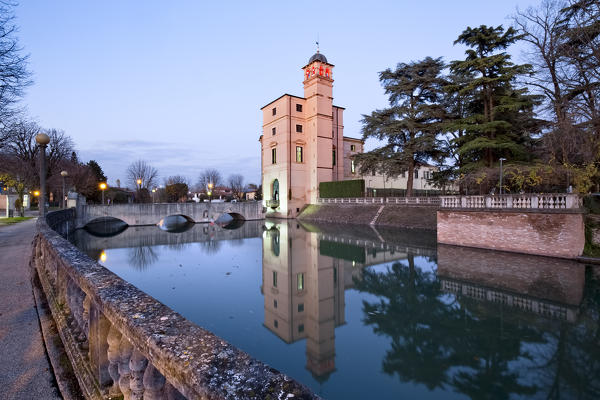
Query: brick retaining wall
pixel 541 233
pixel 363 214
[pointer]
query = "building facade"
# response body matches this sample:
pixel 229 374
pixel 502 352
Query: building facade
pixel 303 143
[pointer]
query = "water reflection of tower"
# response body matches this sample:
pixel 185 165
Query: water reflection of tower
pixel 303 294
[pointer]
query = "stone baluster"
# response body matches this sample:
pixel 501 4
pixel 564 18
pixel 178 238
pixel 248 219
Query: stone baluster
pixel 114 339
pixel 137 365
pixel 154 384
pixel 125 350
pixel 172 393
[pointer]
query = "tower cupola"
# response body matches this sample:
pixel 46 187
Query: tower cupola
pixel 318 66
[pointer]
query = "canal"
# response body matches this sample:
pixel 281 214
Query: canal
pixel 356 312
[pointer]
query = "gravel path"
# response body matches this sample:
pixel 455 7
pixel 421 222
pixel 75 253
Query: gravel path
pixel 25 371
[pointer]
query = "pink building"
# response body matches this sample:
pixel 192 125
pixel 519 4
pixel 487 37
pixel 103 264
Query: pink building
pixel 303 143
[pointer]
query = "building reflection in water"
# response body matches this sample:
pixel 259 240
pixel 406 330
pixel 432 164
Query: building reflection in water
pixel 305 273
pixel 304 278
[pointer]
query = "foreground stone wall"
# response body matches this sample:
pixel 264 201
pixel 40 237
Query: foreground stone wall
pixel 400 216
pixel 547 233
pixel 123 342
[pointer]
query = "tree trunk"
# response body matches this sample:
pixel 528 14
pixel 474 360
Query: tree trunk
pixel 409 182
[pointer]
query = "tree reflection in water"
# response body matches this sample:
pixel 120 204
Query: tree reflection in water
pixel 210 247
pixel 480 349
pixel 141 257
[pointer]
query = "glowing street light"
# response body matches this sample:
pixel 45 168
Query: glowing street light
pixel 139 182
pixel 209 191
pixel 153 191
pixel 36 193
pixel 103 187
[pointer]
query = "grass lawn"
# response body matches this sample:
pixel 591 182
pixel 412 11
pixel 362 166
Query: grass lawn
pixel 14 220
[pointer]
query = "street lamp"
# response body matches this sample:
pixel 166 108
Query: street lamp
pixel 153 191
pixel 42 140
pixel 64 174
pixel 501 173
pixel 103 187
pixel 209 193
pixel 139 182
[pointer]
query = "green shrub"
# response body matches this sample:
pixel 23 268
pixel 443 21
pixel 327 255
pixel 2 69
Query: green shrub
pixel 354 188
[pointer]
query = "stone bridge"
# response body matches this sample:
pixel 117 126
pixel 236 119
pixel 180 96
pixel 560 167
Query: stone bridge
pixel 152 214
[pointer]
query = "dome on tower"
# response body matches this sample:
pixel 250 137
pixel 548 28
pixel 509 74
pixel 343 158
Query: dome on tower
pixel 318 57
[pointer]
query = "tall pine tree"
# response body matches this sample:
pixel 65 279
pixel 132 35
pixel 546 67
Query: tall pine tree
pixel 501 119
pixel 411 123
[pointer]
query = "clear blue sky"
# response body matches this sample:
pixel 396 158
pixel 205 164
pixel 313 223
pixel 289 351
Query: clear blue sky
pixel 180 83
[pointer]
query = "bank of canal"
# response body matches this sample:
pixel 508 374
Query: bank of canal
pixel 364 312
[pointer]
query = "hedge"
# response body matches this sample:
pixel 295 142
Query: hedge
pixel 344 251
pixel 354 188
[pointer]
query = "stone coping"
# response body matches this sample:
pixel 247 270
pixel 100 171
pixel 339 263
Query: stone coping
pixel 195 361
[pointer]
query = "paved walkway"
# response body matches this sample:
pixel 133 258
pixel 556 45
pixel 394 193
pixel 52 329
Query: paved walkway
pixel 25 372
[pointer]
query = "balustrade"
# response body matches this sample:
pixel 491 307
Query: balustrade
pixel 428 201
pixel 519 201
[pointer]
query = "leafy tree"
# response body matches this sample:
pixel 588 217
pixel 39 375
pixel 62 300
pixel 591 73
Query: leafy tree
pixel 143 172
pixel 546 31
pixel 14 76
pixel 236 184
pixel 176 188
pixel 209 176
pixel 500 121
pixel 410 125
pixel 97 171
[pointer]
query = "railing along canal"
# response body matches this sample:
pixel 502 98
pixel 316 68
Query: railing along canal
pixel 426 201
pixel 516 201
pixel 122 342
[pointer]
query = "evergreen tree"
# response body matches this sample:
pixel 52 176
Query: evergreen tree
pixel 500 122
pixel 411 123
pixel 97 170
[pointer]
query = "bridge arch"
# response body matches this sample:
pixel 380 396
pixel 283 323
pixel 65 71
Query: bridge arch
pixel 105 226
pixel 176 223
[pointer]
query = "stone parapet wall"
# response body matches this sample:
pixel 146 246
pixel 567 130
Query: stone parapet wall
pixel 123 342
pixel 546 233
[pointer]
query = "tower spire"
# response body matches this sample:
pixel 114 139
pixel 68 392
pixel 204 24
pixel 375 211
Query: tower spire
pixel 317 42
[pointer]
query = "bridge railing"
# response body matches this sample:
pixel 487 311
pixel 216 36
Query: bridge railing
pixel 551 201
pixel 420 201
pixel 122 342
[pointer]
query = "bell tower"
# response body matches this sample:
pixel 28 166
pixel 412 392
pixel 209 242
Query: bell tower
pixel 318 92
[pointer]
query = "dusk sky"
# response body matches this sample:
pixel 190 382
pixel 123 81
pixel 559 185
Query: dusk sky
pixel 180 84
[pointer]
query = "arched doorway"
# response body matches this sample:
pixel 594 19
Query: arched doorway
pixel 275 190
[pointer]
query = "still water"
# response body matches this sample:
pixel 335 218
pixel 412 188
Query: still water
pixel 361 313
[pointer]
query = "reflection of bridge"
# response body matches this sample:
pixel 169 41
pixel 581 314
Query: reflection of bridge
pixel 151 214
pixel 152 236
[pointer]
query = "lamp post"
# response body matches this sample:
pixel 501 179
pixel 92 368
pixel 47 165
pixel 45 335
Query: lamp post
pixel 64 174
pixel 42 140
pixel 153 191
pixel 501 173
pixel 209 193
pixel 103 187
